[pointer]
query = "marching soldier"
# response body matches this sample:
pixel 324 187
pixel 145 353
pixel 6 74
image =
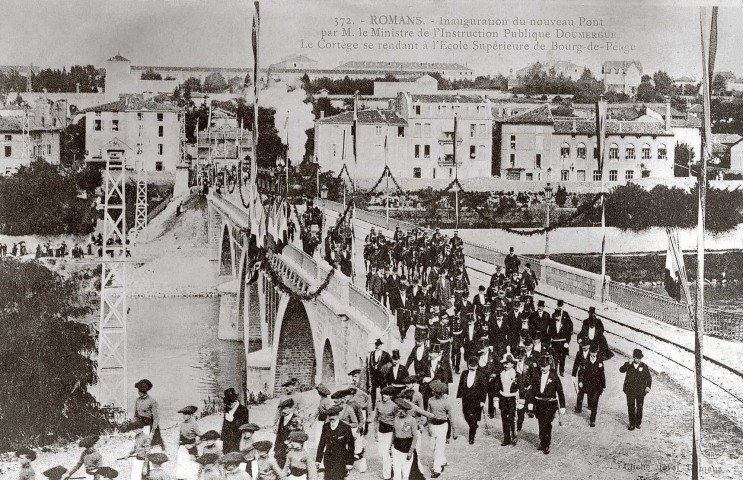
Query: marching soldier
pixel 443 335
pixel 592 380
pixel 421 322
pixel 580 359
pixel 547 398
pixel 561 329
pixel 377 360
pixel 507 388
pixel 637 384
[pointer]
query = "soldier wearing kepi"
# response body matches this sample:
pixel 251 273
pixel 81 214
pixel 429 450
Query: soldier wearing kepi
pixel 637 384
pixel 592 380
pixel 546 398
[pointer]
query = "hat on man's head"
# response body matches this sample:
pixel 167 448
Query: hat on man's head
pixel 437 386
pixel 484 345
pixel 410 379
pixel 249 427
pixel 560 303
pixel 89 441
pixel 402 403
pixel 106 472
pixel 528 341
pixel 592 310
pixel 436 348
pixel 545 361
pixel 356 371
pixel 389 390
pixel 481 288
pixel 55 473
pixel 472 361
pixel 208 459
pixel 395 354
pixel 528 265
pixel 637 353
pixel 585 345
pixel 594 348
pixel 288 403
pixel 189 410
pixel 232 458
pixel 540 303
pixel 507 358
pixel 510 249
pixel 378 342
pixel 298 437
pixel 230 395
pixel 322 389
pixel 338 394
pixel 334 410
pixel 30 454
pixel 157 458
pixel 211 435
pixel 143 385
pixel 263 446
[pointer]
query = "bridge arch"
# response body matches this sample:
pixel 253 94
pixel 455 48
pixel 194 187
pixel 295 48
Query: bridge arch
pixel 328 365
pixel 295 347
pixel 226 260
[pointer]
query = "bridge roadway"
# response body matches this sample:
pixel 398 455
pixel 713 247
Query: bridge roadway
pixel 660 450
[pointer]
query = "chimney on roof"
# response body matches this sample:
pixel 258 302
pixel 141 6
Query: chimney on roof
pixel 322 113
pixel 668 113
pixel 573 126
pixel 620 126
pixel 77 87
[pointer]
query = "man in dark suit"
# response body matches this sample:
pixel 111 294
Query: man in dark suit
pixel 480 300
pixel 457 335
pixel 580 359
pixel 336 447
pixel 501 335
pixel 472 389
pixel 377 361
pixel 402 305
pixel 235 415
pixel 592 330
pixel 560 332
pixel 443 291
pixel 546 398
pixel 438 369
pixel 539 322
pixel 512 263
pixel 396 373
pixel 419 357
pixel 415 294
pixel 470 337
pixel 392 288
pixel 637 384
pixel 592 380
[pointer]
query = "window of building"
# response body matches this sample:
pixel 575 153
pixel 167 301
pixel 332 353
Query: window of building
pixel 378 130
pixel 564 175
pixel 581 150
pixel 159 148
pixel 417 151
pixel 613 175
pixel 581 175
pixel 139 149
pixel 434 172
pixel 8 150
pixel 334 148
pixel 98 125
pixel 529 176
pixel 417 109
pixel 513 159
pixel 513 142
pixel 416 172
pixel 646 152
pixel 538 160
pixel 473 151
pixel 8 138
pixel 97 114
pixel 159 117
pixel 160 131
pixel 141 130
pixel 114 125
pixel 473 130
pixel 427 151
pixel 159 166
pixel 565 150
pixel 613 151
pixel 140 116
pixel 427 130
pixel 629 174
pixel 400 131
pixel 595 152
pixel 417 130
pixel 662 152
pixel 629 152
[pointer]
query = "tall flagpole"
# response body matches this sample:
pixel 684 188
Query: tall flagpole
pixel 456 174
pixel 706 151
pixel 355 136
pixel 343 159
pixel 387 188
pixel 601 146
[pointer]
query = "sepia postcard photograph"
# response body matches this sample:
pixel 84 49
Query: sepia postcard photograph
pixel 371 240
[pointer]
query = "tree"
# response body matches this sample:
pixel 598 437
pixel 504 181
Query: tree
pixel 561 196
pixel 192 84
pixel 150 74
pixel 72 145
pixel 323 104
pixel 215 83
pixel 46 358
pixel 683 153
pixel 719 84
pixel 646 92
pixel 663 83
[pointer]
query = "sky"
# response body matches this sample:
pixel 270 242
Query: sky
pixel 53 33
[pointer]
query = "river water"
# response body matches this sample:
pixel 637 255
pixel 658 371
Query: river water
pixel 173 342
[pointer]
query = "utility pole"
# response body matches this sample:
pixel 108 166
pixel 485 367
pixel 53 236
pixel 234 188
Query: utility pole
pixel 26 133
pixel 112 356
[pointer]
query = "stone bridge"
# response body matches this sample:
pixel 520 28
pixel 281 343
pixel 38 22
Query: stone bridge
pixel 316 340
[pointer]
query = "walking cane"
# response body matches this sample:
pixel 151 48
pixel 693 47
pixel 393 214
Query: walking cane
pixel 559 407
pixel 485 421
pixel 574 387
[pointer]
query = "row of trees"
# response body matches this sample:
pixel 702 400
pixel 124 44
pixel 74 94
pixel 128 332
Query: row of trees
pixel 89 79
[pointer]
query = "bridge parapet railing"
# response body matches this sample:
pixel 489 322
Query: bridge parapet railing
pixel 369 307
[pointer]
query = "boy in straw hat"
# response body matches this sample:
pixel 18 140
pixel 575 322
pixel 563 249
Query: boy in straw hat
pixel 299 465
pixel 231 464
pixel 26 455
pixel 157 472
pixel 208 464
pixel 247 448
pixel 186 468
pixel 90 458
pixel 507 388
pixel 266 466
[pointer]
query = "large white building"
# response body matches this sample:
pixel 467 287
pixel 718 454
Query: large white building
pixel 419 132
pixel 225 142
pixel 622 76
pixel 149 129
pixel 535 146
pixel 44 143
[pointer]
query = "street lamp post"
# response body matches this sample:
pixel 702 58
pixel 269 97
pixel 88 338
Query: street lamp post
pixel 548 200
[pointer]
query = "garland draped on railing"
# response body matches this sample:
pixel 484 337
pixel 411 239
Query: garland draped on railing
pixel 581 210
pixel 278 281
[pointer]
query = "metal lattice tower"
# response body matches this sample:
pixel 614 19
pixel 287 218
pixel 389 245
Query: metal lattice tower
pixel 140 213
pixel 112 330
pixel 26 136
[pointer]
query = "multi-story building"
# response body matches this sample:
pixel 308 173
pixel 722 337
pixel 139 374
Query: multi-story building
pixel 622 76
pixel 449 71
pixel 420 138
pixel 150 130
pixel 44 143
pixel 225 142
pixel 561 67
pixel 539 147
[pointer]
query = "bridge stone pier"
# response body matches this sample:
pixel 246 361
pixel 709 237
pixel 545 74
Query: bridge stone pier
pixel 315 340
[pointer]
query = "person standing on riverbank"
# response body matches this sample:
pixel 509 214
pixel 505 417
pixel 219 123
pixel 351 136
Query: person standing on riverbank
pixel 235 415
pixel 186 467
pixel 91 459
pixel 146 413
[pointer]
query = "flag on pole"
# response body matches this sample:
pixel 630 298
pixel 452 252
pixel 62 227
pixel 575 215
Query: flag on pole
pixel 256 32
pixel 600 133
pixel 355 126
pixel 672 281
pixel 353 242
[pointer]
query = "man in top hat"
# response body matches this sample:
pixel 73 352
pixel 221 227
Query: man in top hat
pixel 580 359
pixel 90 458
pixel 560 332
pixel 457 340
pixel 336 447
pixel 592 330
pixel 156 471
pixel 146 412
pixel 486 364
pixel 420 356
pixel 471 392
pixel 397 373
pixel 471 337
pixel 527 367
pixel 592 380
pixel 519 319
pixel 438 369
pixel 512 262
pixel 26 455
pixel 235 415
pixel 637 383
pixel 378 360
pixel 539 322
pixel 501 334
pixel 546 397
pixel 529 278
pixel 288 423
pixel 480 301
pixel 507 389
